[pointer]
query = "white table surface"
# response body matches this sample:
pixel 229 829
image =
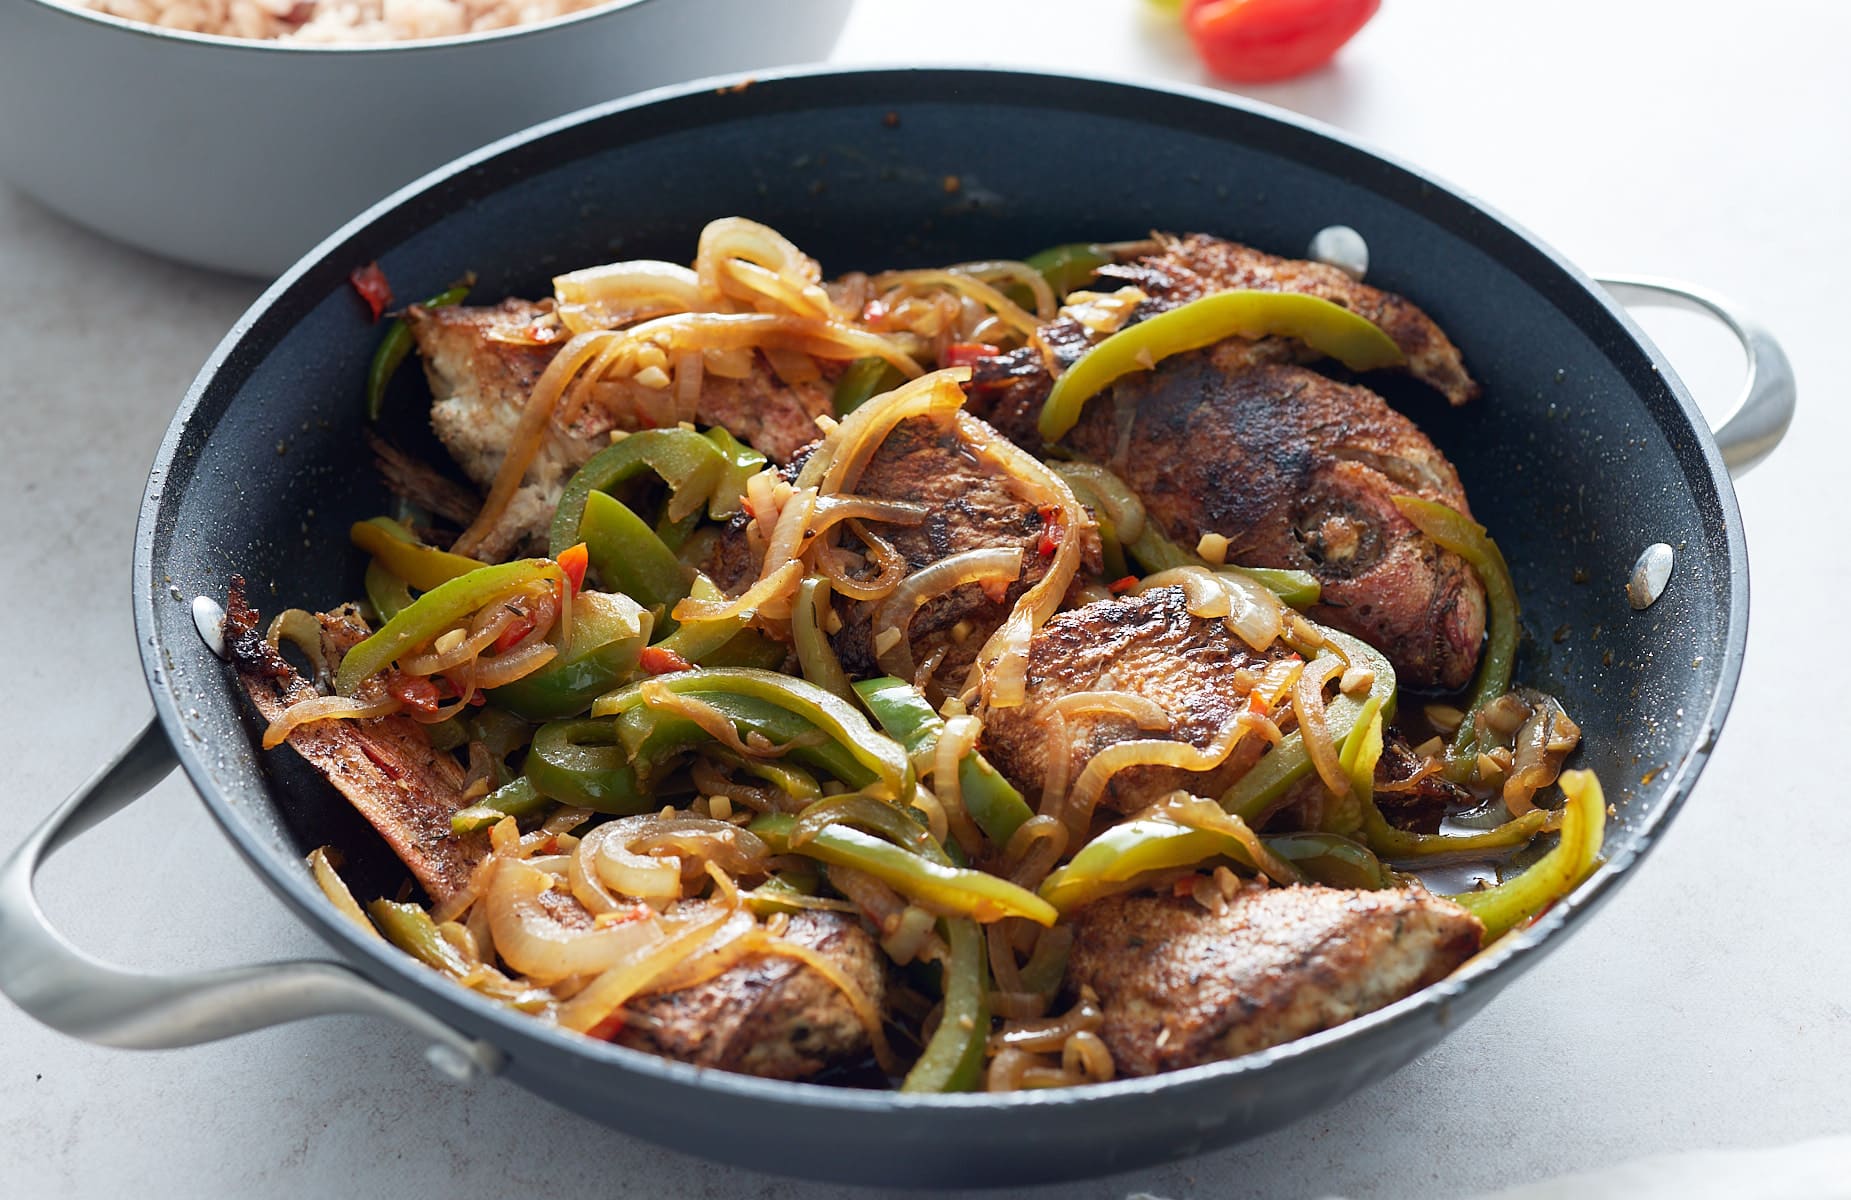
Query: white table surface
pixel 1709 1005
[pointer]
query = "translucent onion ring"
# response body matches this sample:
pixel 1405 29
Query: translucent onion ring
pixel 896 612
pixel 1308 704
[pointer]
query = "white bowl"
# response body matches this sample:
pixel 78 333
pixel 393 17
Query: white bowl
pixel 241 155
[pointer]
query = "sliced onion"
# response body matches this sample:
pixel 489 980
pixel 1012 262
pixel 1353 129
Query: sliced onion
pixel 528 434
pixel 1543 741
pixel 634 971
pixel 532 942
pixel 324 708
pixel 1059 773
pixel 837 464
pixel 1308 705
pixel 955 742
pixel 788 534
pixel 1100 769
pixel 831 510
pixel 1142 709
pixel 965 285
pixel 1121 504
pixel 336 890
pixel 736 238
pixel 303 630
pixel 706 331
pixel 896 612
pixel 1255 616
pixel 598 297
pixel 493 620
pixel 1037 284
pixel 723 950
pixel 1003 660
pixel 1198 813
pixel 1034 848
pixel 1203 594
pixel 781 583
pixel 605 852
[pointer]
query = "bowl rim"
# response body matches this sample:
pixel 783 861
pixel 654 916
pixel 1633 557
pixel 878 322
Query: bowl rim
pixel 162 34
pixel 390 968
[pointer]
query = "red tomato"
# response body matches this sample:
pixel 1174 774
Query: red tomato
pixel 1259 41
pixel 373 287
pixel 573 560
pixel 658 660
pixel 512 636
pixel 963 354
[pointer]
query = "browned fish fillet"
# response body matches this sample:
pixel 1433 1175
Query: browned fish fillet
pixel 1195 670
pixel 1182 985
pixel 385 766
pixel 768 1015
pixel 1299 471
pixel 481 383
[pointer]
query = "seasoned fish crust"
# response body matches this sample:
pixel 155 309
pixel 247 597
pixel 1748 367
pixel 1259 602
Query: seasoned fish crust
pixel 768 1015
pixel 1299 471
pixel 385 766
pixel 1194 669
pixel 971 503
pixel 1181 985
pixel 481 383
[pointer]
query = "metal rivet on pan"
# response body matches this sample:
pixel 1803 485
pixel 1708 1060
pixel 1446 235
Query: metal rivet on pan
pixel 1649 575
pixel 209 620
pixel 450 1062
pixel 1343 248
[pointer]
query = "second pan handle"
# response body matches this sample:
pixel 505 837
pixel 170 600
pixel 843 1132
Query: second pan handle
pixel 62 987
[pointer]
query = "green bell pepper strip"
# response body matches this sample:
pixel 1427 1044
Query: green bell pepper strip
pixel 1328 328
pixel 1524 897
pixel 818 659
pixel 628 556
pixel 1254 794
pixel 436 611
pixel 399 551
pixel 447 735
pixel 1154 552
pixel 1333 860
pixel 1068 266
pixel 941 887
pixel 793 781
pixel 580 762
pixel 411 929
pixel 865 379
pixel 608 634
pixel 1393 843
pixel 698 641
pixel 748 648
pixel 689 463
pixel 821 728
pixel 1117 858
pixel 992 802
pixel 764 900
pixel 742 462
pixel 393 348
pixel 387 593
pixel 1454 531
pixel 952 1060
pixel 519 798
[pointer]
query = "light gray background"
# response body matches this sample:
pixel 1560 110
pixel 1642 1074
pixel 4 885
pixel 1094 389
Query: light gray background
pixel 1706 1006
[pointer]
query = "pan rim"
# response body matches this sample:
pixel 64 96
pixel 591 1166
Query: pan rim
pixel 422 202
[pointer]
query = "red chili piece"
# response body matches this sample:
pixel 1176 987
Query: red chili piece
pixel 658 660
pixel 963 354
pixel 373 287
pixel 1261 41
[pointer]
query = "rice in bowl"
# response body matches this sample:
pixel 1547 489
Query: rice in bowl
pixel 339 22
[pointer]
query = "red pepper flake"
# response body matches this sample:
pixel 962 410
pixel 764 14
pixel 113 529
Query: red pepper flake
pixel 373 287
pixel 963 354
pixel 385 764
pixel 659 661
pixel 511 637
pixel 1122 584
pixel 1052 531
pixel 573 560
pixel 1257 705
pixel 609 1027
pixel 1183 887
pixel 415 692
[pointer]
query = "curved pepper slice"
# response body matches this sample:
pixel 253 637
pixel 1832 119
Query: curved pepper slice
pixel 629 557
pixel 785 711
pixel 399 551
pixel 952 1060
pixel 1333 860
pixel 865 379
pixel 742 462
pixel 1327 328
pixel 1068 266
pixel 393 348
pixel 436 611
pixel 992 802
pixel 1526 896
pixel 608 635
pixel 1288 762
pixel 1454 531
pixel 945 888
pixel 387 593
pixel 690 464
pixel 579 762
pixel 1114 861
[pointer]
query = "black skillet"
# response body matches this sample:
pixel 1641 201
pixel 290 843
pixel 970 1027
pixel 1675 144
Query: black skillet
pixel 1584 452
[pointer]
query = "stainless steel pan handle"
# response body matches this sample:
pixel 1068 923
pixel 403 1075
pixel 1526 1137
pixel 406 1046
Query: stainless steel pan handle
pixel 1761 415
pixel 60 986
